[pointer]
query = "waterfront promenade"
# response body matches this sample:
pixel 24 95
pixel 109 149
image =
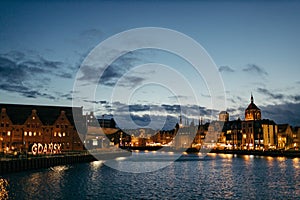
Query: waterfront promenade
pixel 10 164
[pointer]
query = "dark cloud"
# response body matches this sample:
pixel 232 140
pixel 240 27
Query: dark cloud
pixel 255 69
pixel 283 113
pixel 138 108
pixel 113 72
pixel 295 98
pixel 225 69
pixel 28 75
pixel 270 94
pixel 24 91
pixel 96 102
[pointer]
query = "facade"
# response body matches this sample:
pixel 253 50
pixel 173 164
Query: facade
pixel 285 137
pixel 296 138
pixel 252 112
pixel 42 129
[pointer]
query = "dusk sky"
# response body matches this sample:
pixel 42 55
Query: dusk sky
pixel 255 46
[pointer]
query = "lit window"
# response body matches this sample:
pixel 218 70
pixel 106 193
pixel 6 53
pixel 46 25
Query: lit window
pixel 8 133
pixel 54 134
pixel 294 135
pixel 40 133
pixel 59 134
pixel 244 136
pixel 34 134
pixel 30 133
pixel 64 134
pixel 25 133
pixel 33 117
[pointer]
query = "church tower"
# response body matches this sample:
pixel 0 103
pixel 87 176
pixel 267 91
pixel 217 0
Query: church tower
pixel 252 112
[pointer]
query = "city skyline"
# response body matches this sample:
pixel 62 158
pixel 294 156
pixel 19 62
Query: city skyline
pixel 253 44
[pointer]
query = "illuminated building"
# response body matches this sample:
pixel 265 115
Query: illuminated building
pixel 224 116
pixel 252 112
pixel 22 126
pixel 296 138
pixel 258 134
pixel 285 136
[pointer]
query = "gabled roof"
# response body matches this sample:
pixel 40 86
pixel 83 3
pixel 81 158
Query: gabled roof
pixel 18 114
pixel 252 106
pixel 282 127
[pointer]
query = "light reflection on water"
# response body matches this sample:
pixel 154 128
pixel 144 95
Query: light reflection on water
pixel 3 189
pixel 216 176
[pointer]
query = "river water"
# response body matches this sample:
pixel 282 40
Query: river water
pixel 212 177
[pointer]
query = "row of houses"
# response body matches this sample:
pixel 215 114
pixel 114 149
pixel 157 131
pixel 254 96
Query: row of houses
pixel 54 129
pixel 252 133
pixel 41 129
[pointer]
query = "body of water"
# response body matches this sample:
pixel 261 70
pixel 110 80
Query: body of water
pixel 212 177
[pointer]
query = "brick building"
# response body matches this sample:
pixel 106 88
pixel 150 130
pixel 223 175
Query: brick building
pixel 22 126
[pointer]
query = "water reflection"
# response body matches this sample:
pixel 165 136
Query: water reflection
pixel 194 177
pixel 3 189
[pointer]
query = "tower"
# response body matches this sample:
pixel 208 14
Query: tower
pixel 252 112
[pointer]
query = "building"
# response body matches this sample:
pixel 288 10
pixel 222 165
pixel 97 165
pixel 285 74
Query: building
pixel 258 134
pixel 296 138
pixel 252 112
pixel 285 137
pixel 224 116
pixel 42 129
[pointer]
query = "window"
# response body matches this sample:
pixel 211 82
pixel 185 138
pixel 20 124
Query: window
pixel 54 134
pixel 30 133
pixel 40 133
pixel 25 133
pixel 7 124
pixel 64 134
pixel 57 126
pixel 2 125
pixel 8 133
pixel 294 135
pixel 34 133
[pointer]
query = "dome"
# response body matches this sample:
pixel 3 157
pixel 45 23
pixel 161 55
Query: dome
pixel 252 112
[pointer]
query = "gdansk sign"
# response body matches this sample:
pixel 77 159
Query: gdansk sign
pixel 38 148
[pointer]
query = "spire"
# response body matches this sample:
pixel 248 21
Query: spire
pixel 252 98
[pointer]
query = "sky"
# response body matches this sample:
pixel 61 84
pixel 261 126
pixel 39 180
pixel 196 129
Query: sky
pixel 254 45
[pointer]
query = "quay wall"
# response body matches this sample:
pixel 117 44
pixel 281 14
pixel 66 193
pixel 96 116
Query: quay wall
pixel 8 165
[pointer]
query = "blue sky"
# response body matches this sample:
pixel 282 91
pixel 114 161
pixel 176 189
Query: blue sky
pixel 254 44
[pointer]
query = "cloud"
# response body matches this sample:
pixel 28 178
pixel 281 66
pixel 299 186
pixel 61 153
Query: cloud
pixel 28 75
pixel 25 91
pixel 283 113
pixel 255 69
pixel 270 94
pixel 114 72
pixel 225 69
pixel 176 97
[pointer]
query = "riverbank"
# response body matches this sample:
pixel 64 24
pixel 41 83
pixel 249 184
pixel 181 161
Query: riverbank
pixel 13 164
pixel 273 153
